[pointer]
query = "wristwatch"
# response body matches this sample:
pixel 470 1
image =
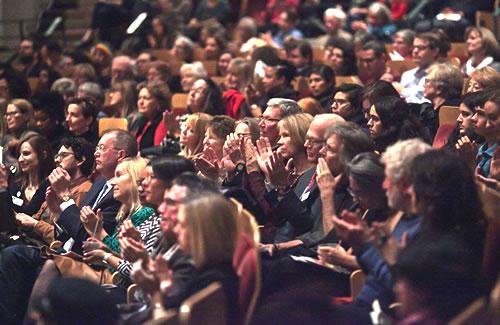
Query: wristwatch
pixel 106 257
pixel 66 197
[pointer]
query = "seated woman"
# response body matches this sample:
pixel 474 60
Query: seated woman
pixel 161 36
pixel 189 73
pixel 483 48
pixel 292 131
pixel 19 118
pixel 209 162
pixel 347 103
pixel 223 62
pixel 214 45
pixel 203 221
pixel 465 125
pixel 121 100
pixel 322 85
pixel 205 97
pixel 239 76
pixel 483 78
pixel 149 128
pixel 339 54
pixel 76 156
pixel 192 134
pixel 35 163
pixel 390 121
pixel 103 248
pixel 366 175
pixel 81 115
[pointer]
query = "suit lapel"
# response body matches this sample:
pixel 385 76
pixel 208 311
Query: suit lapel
pixel 93 192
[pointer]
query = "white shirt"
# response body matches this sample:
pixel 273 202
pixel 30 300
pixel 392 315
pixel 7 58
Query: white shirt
pixel 413 86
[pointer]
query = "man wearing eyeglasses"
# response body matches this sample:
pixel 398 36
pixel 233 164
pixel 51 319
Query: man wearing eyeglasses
pixel 425 52
pixel 277 108
pixel 113 147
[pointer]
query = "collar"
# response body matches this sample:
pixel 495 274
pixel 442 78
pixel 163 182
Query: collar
pixel 469 68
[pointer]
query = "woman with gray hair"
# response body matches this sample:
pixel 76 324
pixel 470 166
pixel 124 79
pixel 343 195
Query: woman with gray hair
pixel 443 85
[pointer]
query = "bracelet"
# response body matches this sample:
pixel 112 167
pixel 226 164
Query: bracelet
pixel 106 257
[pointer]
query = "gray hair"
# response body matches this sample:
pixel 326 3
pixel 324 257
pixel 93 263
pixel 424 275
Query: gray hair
pixel 93 90
pixel 366 168
pixel 248 23
pixel 447 78
pixel 398 157
pixel 197 69
pixel 354 140
pixel 287 106
pixel 64 86
pixel 381 10
pixel 186 42
pixel 337 13
pixel 407 35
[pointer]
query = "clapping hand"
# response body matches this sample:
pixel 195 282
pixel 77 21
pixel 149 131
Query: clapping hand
pixel 59 180
pixel 277 172
pixel 208 164
pixel 351 228
pixel 264 151
pixel 91 222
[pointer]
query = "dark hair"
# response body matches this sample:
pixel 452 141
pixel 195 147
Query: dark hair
pixel 366 168
pixel 124 141
pixel 53 46
pixel 222 126
pixel 354 140
pixel 17 82
pixel 445 269
pixel 168 167
pixel 51 103
pixel 446 193
pixel 325 71
pixel 397 122
pixel 160 92
pixel 379 88
pixel 353 92
pixel 285 70
pixel 87 105
pixel 83 151
pixel 213 103
pixel 377 47
pixel 291 15
pixel 349 67
pixel 304 47
pixel 431 38
pixel 44 153
pixel 266 54
pixel 195 184
pixel 444 43
pixel 475 99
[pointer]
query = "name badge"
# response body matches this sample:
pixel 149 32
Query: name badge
pixel 17 201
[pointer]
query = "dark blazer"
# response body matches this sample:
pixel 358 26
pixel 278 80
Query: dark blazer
pixel 31 207
pixel 7 219
pixel 202 278
pixel 69 219
pixel 298 216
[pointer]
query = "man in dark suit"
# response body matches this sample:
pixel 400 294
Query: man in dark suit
pixel 113 147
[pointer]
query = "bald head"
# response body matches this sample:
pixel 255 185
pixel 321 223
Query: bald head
pixel 315 136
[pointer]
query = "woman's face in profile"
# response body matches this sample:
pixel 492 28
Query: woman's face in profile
pixel 197 95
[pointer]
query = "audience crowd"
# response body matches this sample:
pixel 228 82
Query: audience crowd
pixel 275 154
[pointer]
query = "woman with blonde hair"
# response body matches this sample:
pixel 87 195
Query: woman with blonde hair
pixel 192 134
pixel 203 221
pixel 292 131
pixel 483 48
pixel 101 247
pixel 483 78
